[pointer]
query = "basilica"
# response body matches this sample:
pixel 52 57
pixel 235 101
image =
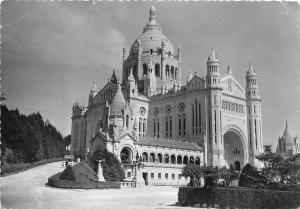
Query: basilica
pixel 287 143
pixel 156 122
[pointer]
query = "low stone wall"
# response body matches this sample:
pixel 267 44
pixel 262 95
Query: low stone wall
pixel 56 182
pixel 237 197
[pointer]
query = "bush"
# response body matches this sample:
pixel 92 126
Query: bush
pixel 112 169
pixel 68 174
pixel 247 175
pixel 239 197
pixel 55 181
pixel 193 170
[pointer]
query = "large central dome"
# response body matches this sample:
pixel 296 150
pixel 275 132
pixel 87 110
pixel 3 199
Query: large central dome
pixel 152 37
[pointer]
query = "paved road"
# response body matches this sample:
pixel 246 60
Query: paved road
pixel 27 190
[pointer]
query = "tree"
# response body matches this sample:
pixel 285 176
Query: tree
pixel 191 170
pixel 28 138
pixel 277 165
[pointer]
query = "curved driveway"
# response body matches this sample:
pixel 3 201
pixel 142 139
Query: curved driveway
pixel 27 190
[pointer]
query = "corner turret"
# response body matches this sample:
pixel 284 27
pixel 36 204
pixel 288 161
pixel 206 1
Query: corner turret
pixel 213 71
pixel 254 115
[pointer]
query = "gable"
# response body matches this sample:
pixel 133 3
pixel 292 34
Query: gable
pixel 195 83
pixel 231 86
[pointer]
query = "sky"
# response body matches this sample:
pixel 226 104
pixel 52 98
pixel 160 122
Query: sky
pixel 52 52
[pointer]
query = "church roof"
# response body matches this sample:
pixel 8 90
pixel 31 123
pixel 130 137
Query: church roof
pixel 287 135
pixel 118 102
pixel 251 70
pixel 175 144
pixel 212 57
pixel 113 78
pixel 152 37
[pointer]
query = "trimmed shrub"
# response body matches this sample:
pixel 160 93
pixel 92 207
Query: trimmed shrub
pixel 68 174
pixel 245 179
pixel 239 198
pixel 55 181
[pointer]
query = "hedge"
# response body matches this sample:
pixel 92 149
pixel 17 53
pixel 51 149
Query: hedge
pixel 239 197
pixel 67 184
pixel 12 168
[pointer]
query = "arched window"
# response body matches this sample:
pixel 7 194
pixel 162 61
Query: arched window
pixel 173 159
pixel 126 155
pixel 197 161
pixel 179 159
pixel 144 69
pixel 159 158
pixel 166 158
pixel 172 72
pixel 167 71
pixel 185 160
pixel 152 158
pixel 135 72
pixel 157 70
pixel 127 121
pixel 145 157
pixel 192 160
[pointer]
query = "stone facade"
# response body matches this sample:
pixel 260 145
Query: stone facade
pixel 155 124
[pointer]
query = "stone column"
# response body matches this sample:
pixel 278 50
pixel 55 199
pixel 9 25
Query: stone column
pixel 100 172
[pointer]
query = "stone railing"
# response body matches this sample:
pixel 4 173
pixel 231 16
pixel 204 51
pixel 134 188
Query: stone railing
pixel 127 184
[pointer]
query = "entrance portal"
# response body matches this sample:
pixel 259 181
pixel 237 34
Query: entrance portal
pixel 126 155
pixel 145 177
pixel 234 153
pixel 237 165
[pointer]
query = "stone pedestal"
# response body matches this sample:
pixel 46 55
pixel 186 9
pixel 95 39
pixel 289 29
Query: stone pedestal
pixel 100 172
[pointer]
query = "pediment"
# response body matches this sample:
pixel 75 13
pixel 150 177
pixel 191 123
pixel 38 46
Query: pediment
pixel 231 86
pixel 126 134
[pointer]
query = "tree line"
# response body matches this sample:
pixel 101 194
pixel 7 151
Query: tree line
pixel 29 138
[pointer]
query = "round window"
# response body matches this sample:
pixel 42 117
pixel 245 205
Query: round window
pixel 181 107
pixel 142 111
pixel 168 108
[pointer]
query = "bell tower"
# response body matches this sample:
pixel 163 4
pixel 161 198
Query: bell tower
pixel 253 100
pixel 215 150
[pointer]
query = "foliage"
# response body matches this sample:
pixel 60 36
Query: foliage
pixel 7 168
pixel 191 170
pixel 210 174
pixel 112 169
pixel 248 176
pixel 277 165
pixel 68 174
pixel 27 139
pixel 67 140
pixel 231 197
